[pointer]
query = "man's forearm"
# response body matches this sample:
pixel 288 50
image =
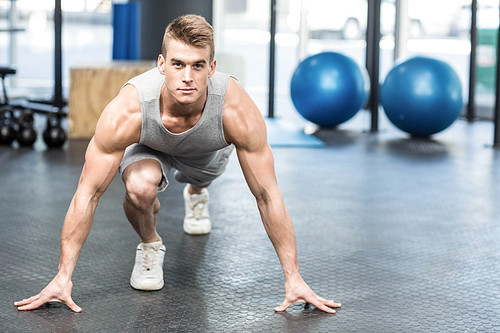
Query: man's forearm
pixel 279 228
pixel 76 228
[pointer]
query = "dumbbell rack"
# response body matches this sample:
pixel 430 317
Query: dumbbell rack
pixel 19 115
pixel 54 110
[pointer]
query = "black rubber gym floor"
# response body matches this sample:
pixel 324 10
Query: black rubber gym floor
pixel 404 233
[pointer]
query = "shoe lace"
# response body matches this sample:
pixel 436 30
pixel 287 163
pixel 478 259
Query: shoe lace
pixel 197 205
pixel 149 258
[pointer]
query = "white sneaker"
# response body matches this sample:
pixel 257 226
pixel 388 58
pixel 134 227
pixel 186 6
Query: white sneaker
pixel 197 220
pixel 148 269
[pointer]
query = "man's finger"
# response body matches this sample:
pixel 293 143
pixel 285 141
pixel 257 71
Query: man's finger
pixel 325 308
pixel 321 305
pixel 31 306
pixel 332 304
pixel 27 300
pixel 72 305
pixel 329 303
pixel 283 306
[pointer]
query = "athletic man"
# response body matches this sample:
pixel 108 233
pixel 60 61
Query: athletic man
pixel 183 116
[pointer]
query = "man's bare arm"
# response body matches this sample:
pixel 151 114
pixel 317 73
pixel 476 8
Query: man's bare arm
pixel 245 127
pixel 118 127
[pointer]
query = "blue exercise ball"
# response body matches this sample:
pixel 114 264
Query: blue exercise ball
pixel 329 88
pixel 422 96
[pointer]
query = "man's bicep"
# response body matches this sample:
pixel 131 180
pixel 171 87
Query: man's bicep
pixel 117 128
pixel 244 126
pixel 100 168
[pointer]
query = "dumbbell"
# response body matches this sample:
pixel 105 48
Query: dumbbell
pixel 7 127
pixel 26 134
pixel 54 135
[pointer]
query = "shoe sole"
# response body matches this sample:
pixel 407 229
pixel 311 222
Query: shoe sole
pixel 146 288
pixel 197 231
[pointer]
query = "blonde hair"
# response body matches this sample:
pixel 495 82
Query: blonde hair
pixel 192 30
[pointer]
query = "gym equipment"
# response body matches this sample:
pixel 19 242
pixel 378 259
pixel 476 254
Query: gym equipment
pixel 4 71
pixel 54 135
pixel 7 123
pixel 422 96
pixel 7 127
pixel 26 134
pixel 329 88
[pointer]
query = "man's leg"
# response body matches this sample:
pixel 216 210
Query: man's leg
pixel 141 206
pixel 193 189
pixel 197 219
pixel 196 197
pixel 141 202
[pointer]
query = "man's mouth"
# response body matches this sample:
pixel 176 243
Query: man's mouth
pixel 187 90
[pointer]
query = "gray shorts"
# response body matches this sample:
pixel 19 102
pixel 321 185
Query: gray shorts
pixel 193 170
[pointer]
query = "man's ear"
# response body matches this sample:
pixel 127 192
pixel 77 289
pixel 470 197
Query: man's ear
pixel 161 64
pixel 212 68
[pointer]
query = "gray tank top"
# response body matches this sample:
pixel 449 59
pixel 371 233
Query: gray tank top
pixel 200 141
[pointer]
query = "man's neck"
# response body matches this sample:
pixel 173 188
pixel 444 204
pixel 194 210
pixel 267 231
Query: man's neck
pixel 176 117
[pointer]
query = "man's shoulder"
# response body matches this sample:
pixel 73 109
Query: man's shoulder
pixel 120 123
pixel 217 83
pixel 242 119
pixel 235 93
pixel 147 83
pixel 129 99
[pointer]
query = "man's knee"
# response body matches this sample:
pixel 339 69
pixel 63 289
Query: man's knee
pixel 141 183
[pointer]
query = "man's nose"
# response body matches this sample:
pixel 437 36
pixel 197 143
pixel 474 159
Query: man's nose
pixel 187 75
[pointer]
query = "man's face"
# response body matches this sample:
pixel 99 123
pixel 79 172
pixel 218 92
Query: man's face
pixel 187 70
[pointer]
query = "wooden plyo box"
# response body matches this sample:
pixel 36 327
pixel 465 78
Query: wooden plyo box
pixel 92 87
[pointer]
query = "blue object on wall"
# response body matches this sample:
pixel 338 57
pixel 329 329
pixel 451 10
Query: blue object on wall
pixel 126 34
